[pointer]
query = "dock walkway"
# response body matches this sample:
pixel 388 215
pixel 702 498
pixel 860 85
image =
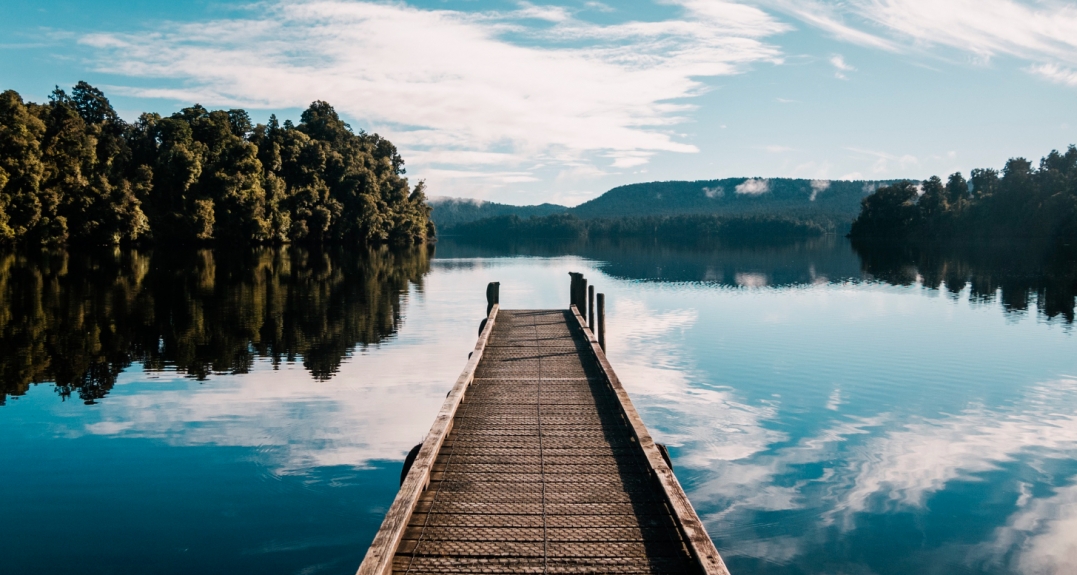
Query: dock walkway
pixel 542 466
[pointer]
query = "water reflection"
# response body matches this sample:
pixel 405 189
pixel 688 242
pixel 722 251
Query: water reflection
pixel 1017 273
pixel 821 420
pixel 776 264
pixel 80 319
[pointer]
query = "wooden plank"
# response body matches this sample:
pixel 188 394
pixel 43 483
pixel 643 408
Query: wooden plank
pixel 379 558
pixel 699 543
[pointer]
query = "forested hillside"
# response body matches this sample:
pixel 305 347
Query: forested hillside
pixel 1021 202
pixel 691 229
pixel 830 204
pixel 818 200
pixel 449 212
pixel 71 170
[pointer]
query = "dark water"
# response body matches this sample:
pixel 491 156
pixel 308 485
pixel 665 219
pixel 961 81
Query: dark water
pixel 829 410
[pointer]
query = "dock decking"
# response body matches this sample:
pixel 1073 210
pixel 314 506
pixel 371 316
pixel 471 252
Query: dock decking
pixel 538 463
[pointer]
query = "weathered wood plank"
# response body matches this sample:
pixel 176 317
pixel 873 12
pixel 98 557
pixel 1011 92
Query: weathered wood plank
pixel 699 543
pixel 379 558
pixel 538 462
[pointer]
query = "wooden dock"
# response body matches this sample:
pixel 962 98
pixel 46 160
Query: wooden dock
pixel 539 463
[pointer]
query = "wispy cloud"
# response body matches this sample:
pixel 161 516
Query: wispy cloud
pixel 829 19
pixel 1042 30
pixel 715 192
pixel 818 187
pixel 884 161
pixel 1055 73
pixel 526 86
pixel 838 62
pixel 1043 33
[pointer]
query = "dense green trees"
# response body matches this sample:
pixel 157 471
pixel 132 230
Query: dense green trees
pixel 682 229
pixel 72 170
pixel 1022 202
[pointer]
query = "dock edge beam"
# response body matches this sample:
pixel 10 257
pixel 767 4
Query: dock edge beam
pixel 695 535
pixel 379 558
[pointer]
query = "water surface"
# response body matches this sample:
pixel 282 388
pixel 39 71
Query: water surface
pixel 827 410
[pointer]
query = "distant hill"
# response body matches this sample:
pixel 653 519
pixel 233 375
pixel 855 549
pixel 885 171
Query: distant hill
pixel 836 201
pixel 449 212
pixel 833 203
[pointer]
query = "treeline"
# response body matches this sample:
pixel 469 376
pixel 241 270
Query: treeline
pixel 78 319
pixel 1021 202
pixel 72 170
pixel 449 212
pixel 683 229
pixel 821 201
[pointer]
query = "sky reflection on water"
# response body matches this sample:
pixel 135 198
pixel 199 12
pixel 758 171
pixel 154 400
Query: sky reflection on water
pixel 831 424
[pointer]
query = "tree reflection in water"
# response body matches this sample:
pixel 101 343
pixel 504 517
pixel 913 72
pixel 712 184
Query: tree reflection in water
pixel 1016 273
pixel 79 319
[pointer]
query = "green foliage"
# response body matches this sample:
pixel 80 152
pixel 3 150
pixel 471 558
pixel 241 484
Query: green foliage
pixel 831 203
pixel 72 170
pixel 450 212
pixel 683 229
pixel 1023 202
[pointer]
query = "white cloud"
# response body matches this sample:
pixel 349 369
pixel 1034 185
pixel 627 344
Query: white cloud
pixel 834 401
pixel 1055 73
pixel 547 13
pixel 924 455
pixel 1042 534
pixel 598 7
pixel 630 159
pixel 884 160
pixel 817 187
pixel 533 85
pixel 829 20
pixel 1043 33
pixel 984 27
pixel 838 61
pixel 712 423
pixel 715 192
pixel 753 187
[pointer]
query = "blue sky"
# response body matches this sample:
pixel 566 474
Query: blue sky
pixel 524 102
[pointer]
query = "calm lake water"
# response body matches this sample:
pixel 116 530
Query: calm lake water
pixel 827 410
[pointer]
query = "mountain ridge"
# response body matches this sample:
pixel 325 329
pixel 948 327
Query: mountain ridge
pixel 832 202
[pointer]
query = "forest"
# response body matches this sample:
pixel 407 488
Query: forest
pixel 1022 202
pixel 71 170
pixel 679 229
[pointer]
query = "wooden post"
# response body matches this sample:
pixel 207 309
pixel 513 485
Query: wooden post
pixel 574 289
pixel 601 305
pixel 493 295
pixel 582 306
pixel 591 307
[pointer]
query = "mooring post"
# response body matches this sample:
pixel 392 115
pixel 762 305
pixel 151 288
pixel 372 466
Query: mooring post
pixel 583 297
pixel 601 304
pixel 574 289
pixel 591 307
pixel 493 295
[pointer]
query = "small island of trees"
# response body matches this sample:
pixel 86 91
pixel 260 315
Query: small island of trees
pixel 1021 203
pixel 73 171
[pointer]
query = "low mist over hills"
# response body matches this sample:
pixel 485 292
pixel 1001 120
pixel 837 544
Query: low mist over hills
pixel 832 203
